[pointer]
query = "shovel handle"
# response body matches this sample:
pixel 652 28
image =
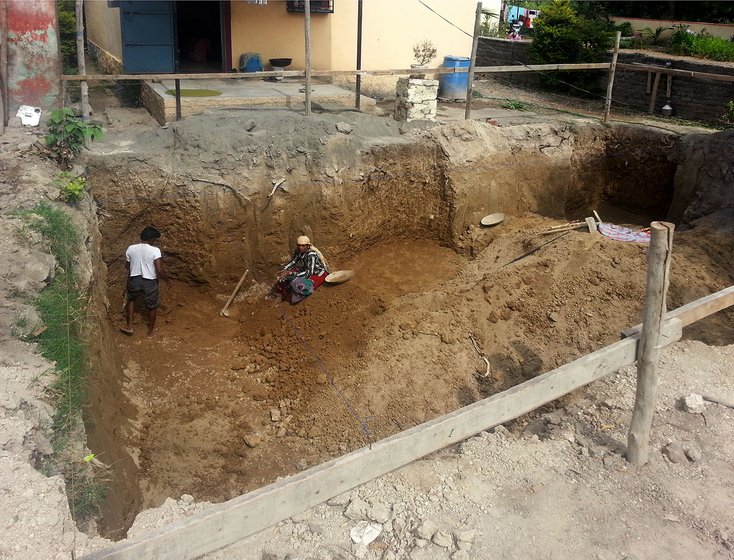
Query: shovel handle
pixel 234 293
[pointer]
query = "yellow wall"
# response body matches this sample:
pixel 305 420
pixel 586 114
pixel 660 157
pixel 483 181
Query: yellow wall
pixel 272 32
pixel 390 28
pixel 103 27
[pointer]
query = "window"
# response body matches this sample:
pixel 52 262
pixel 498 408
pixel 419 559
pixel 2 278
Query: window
pixel 317 6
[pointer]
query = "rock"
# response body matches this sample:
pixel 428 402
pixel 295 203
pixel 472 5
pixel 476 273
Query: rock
pixel 299 517
pixel 275 415
pixel 693 403
pixel 674 452
pixel 249 124
pixel 693 454
pixel 442 539
pixel 357 509
pixel 502 431
pixel 421 543
pixel 302 465
pixel 465 536
pixel 339 501
pixel 364 532
pixel 378 512
pixel 252 440
pixel 426 530
pixel 460 555
pixel 344 128
pixel 553 316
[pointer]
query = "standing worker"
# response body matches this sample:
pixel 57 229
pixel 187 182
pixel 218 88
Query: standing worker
pixel 305 272
pixel 144 265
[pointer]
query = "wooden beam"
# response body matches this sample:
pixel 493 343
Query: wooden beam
pixel 676 72
pixel 610 80
pixel 472 61
pixel 81 63
pixel 326 73
pixel 695 310
pixel 307 32
pixel 659 256
pixel 246 515
pixel 654 94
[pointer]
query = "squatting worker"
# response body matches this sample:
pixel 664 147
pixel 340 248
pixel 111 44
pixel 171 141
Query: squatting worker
pixel 305 272
pixel 144 264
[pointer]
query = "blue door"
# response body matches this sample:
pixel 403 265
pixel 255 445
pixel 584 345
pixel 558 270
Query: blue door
pixel 148 38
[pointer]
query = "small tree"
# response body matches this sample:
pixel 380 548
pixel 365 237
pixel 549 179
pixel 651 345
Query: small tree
pixel 563 37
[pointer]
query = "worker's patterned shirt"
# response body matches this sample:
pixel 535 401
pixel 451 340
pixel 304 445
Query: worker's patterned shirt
pixel 306 264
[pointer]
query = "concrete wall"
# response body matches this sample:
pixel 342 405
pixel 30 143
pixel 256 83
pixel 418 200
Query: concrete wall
pixel 104 34
pixel 691 98
pixel 34 62
pixel 724 30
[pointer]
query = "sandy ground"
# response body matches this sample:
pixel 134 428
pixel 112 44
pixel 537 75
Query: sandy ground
pixel 554 486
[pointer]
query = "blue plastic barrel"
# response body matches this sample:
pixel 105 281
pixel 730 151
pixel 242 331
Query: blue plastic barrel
pixel 453 86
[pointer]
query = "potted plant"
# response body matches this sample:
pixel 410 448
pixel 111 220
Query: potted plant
pixel 423 53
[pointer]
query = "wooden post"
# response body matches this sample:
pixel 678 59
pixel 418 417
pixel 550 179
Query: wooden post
pixel 3 66
pixel 472 62
pixel 610 81
pixel 655 85
pixel 658 269
pixel 358 88
pixel 307 30
pixel 81 63
pixel 178 99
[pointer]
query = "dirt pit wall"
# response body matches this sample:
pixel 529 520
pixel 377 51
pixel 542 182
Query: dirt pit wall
pixel 223 406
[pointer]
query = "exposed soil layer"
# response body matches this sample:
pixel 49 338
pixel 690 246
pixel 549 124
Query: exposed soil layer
pixel 218 406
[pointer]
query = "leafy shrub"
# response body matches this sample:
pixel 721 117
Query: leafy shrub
pixel 728 116
pixel 67 35
pixel 626 29
pixel 701 45
pixel 655 37
pixel 562 37
pixel 67 135
pixel 72 188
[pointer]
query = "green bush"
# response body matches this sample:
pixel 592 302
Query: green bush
pixel 728 116
pixel 626 29
pixel 563 37
pixel 67 35
pixel 67 135
pixel 72 188
pixel 701 45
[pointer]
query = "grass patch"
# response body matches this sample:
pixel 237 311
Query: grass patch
pixel 195 92
pixel 61 308
pixel 517 105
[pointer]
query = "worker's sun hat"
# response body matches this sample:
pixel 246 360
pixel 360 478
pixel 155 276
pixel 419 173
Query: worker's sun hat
pixel 303 240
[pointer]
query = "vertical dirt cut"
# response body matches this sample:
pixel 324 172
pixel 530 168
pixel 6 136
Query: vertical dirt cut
pixel 215 407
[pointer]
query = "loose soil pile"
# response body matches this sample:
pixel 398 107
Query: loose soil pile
pixel 223 406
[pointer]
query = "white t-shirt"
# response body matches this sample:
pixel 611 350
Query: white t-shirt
pixel 142 257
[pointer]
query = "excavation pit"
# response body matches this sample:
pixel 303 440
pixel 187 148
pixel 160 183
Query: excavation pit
pixel 217 406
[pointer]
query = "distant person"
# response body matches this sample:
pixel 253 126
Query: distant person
pixel 144 265
pixel 200 49
pixel 305 272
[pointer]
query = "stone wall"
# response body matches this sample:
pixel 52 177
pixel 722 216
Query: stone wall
pixel 691 98
pixel 415 100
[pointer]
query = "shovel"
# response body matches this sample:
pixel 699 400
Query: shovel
pixel 224 312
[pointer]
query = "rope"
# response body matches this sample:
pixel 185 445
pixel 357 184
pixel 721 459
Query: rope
pixel 299 334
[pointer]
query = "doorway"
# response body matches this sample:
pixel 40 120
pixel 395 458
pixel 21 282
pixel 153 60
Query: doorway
pixel 199 36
